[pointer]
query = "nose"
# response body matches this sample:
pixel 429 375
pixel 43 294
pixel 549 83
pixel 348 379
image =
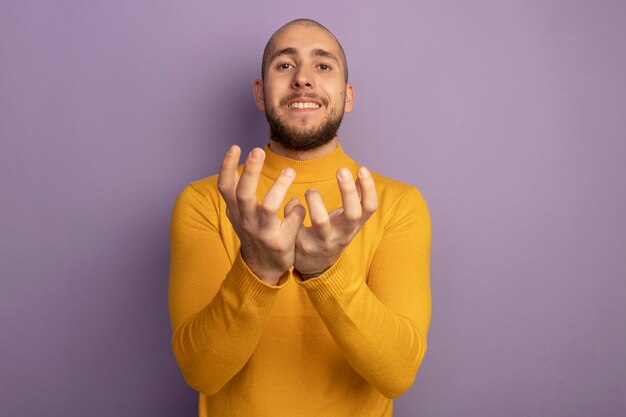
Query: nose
pixel 302 78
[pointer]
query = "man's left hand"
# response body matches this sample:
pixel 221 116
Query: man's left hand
pixel 318 247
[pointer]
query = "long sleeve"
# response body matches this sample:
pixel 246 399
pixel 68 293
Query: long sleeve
pixel 218 307
pixel 341 344
pixel 380 323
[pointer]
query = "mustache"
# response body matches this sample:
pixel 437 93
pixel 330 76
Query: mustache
pixel 295 96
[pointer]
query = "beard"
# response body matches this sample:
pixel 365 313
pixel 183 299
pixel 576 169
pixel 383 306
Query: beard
pixel 303 137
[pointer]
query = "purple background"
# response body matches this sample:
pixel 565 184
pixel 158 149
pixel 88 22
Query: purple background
pixel 509 116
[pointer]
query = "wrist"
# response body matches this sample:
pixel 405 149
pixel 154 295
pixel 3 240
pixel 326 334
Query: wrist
pixel 268 274
pixel 309 275
pixel 270 277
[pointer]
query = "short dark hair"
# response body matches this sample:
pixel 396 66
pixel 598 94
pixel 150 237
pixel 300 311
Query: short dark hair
pixel 306 22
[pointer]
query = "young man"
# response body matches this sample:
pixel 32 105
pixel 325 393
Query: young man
pixel 296 290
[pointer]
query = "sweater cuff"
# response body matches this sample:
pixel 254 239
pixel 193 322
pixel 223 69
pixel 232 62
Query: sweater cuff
pixel 330 284
pixel 252 288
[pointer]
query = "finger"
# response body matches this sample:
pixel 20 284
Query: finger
pixel 227 178
pixel 294 216
pixel 335 214
pixel 369 198
pixel 290 206
pixel 236 178
pixel 352 210
pixel 246 189
pixel 276 195
pixel 320 220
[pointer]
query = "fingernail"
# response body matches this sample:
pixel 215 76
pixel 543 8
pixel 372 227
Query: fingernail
pixel 232 149
pixel 288 172
pixel 344 173
pixel 256 154
pixel 364 172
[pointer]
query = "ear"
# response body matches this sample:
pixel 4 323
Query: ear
pixel 349 98
pixel 259 98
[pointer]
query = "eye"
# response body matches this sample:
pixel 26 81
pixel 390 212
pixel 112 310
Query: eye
pixel 284 66
pixel 324 67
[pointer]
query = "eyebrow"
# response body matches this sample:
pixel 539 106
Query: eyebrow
pixel 314 52
pixel 325 54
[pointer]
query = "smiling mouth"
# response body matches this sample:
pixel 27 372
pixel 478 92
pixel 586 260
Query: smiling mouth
pixel 304 105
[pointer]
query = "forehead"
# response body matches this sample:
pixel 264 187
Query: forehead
pixel 303 38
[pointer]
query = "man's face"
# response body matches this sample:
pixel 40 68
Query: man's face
pixel 304 94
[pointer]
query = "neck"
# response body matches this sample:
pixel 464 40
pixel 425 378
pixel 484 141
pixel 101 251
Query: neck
pixel 304 155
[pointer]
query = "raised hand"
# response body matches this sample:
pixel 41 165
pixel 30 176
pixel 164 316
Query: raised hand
pixel 267 243
pixel 319 246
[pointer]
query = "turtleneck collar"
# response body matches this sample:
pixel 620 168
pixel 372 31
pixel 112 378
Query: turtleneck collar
pixel 311 170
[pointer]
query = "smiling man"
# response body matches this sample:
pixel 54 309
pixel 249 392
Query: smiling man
pixel 315 103
pixel 296 289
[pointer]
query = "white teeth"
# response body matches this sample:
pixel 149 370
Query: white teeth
pixel 304 105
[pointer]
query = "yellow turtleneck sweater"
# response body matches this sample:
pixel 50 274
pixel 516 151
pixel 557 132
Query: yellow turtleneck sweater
pixel 341 344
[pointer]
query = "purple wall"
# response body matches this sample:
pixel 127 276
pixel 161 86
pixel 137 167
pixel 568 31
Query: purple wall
pixel 509 116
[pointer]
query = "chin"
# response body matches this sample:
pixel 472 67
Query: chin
pixel 302 135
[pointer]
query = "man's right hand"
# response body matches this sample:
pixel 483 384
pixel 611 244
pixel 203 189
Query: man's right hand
pixel 267 243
